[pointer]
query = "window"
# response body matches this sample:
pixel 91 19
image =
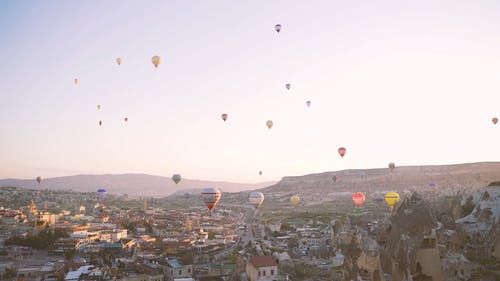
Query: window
pixel 259 273
pixel 264 272
pixel 272 271
pixel 180 272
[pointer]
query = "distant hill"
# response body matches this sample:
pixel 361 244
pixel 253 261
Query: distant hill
pixel 401 178
pixel 132 184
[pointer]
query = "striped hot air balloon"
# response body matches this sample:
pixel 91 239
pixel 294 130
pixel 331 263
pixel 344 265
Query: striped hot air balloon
pixel 210 197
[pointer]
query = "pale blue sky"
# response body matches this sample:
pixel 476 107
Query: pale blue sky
pixel 410 82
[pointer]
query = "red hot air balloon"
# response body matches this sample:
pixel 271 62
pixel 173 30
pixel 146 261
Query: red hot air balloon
pixel 342 151
pixel 210 197
pixel 494 120
pixel 224 117
pixel 358 198
pixel 100 123
pixel 126 119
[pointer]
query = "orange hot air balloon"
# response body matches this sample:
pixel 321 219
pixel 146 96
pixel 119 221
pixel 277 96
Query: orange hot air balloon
pixel 358 198
pixel 224 117
pixel 494 120
pixel 76 81
pixel 156 61
pixel 342 151
pixel 269 124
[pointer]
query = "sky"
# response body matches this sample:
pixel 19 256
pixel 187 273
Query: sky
pixel 409 82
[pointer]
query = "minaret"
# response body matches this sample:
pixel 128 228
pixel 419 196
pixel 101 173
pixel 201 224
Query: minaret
pixel 145 204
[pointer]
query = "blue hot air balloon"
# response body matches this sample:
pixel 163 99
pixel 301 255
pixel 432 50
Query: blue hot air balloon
pixel 101 192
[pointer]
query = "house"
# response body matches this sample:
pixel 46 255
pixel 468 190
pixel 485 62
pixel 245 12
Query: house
pixel 262 268
pixel 174 270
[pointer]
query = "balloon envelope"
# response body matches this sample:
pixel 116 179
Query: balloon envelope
pixel 156 61
pixel 126 119
pixel 256 198
pixel 260 173
pixel 288 86
pixel 100 123
pixel 277 28
pixel 308 103
pixel 494 120
pixel 391 198
pixel 101 192
pixel 342 151
pixel 269 124
pixel 210 197
pixel 358 198
pixel 187 195
pixel 295 200
pixel 392 166
pixel 334 178
pixel 176 178
pixel 75 81
pixel 98 107
pixel 224 116
pixel 39 179
pixel 119 61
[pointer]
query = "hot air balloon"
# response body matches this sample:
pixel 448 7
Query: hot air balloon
pixel 260 173
pixel 295 200
pixel 119 61
pixel 101 192
pixel 126 119
pixel 210 197
pixel 39 179
pixel 334 178
pixel 269 123
pixel 187 195
pixel 342 151
pixel 494 120
pixel 391 198
pixel 100 123
pixel 277 28
pixel 176 178
pixel 224 117
pixel 75 81
pixel 392 166
pixel 98 107
pixel 256 198
pixel 287 86
pixel 432 185
pixel 156 61
pixel 378 199
pixel 308 103
pixel 358 198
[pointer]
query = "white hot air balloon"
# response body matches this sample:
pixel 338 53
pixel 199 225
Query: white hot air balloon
pixel 210 197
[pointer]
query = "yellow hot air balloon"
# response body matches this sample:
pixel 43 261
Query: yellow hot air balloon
pixel 269 124
pixel 76 81
pixel 156 61
pixel 119 61
pixel 295 200
pixel 391 198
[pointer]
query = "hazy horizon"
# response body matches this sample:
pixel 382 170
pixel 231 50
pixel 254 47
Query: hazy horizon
pixel 409 83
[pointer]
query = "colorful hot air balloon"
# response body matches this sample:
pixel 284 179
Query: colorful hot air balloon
pixel 295 200
pixel 358 198
pixel 98 107
pixel 176 178
pixel 334 178
pixel 156 61
pixel 391 198
pixel 210 197
pixel 277 28
pixel 342 151
pixel 269 123
pixel 392 166
pixel 101 192
pixel 39 179
pixel 256 198
pixel 308 103
pixel 494 120
pixel 224 117
pixel 119 61
pixel 287 86
pixel 76 81
pixel 100 123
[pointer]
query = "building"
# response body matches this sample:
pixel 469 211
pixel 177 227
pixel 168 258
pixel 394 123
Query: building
pixel 262 268
pixel 175 270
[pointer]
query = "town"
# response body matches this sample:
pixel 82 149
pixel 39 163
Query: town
pixel 50 235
